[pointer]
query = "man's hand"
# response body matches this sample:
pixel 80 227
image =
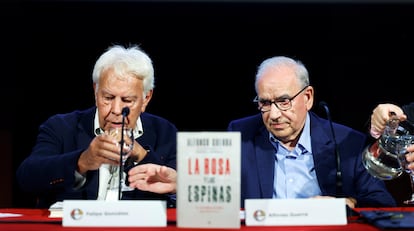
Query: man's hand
pixel 380 117
pixel 351 202
pixel 102 150
pixel 153 178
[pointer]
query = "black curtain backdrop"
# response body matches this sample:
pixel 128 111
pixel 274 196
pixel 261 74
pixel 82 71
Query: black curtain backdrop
pixel 205 56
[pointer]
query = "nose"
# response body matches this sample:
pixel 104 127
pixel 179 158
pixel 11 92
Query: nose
pixel 117 106
pixel 274 110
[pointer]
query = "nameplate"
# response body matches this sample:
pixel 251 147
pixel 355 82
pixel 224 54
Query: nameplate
pixel 124 213
pixel 293 212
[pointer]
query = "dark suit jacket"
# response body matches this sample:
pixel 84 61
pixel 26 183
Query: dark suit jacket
pixel 409 123
pixel 409 111
pixel 49 170
pixel 258 162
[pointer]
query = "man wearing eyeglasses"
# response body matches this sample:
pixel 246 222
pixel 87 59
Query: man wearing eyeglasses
pixel 287 150
pixel 290 152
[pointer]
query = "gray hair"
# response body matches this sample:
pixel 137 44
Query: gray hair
pixel 282 61
pixel 126 60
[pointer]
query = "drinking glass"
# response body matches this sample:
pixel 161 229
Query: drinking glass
pixel 125 140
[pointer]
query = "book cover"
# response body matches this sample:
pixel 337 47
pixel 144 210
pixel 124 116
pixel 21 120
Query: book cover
pixel 208 184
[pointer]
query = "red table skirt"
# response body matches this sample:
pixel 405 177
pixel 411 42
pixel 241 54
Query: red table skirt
pixel 37 219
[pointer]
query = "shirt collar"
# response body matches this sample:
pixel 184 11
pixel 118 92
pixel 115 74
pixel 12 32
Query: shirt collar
pixel 138 130
pixel 304 143
pixel 305 137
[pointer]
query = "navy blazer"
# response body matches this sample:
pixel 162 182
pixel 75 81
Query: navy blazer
pixel 49 170
pixel 258 161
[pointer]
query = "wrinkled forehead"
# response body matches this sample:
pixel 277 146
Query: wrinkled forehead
pixel 277 82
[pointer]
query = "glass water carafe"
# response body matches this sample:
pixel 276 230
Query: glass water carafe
pixel 382 159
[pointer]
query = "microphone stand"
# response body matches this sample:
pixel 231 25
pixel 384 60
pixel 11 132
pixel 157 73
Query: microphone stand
pixel 339 191
pixel 125 112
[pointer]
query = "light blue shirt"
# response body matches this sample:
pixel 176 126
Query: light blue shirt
pixel 295 175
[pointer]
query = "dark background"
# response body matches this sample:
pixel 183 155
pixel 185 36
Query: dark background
pixel 205 54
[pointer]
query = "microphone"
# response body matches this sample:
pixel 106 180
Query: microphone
pixel 339 192
pixel 125 113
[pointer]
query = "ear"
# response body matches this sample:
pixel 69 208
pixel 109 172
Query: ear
pixel 309 97
pixel 95 94
pixel 148 97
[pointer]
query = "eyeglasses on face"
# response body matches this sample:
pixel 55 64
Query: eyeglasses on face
pixel 283 104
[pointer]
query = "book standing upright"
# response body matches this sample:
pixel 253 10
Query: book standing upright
pixel 208 184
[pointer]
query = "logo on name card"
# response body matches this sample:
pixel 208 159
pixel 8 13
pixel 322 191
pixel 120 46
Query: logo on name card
pixel 76 214
pixel 259 215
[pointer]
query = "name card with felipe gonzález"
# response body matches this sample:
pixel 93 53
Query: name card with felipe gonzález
pixel 124 213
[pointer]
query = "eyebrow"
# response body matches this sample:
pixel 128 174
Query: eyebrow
pixel 285 96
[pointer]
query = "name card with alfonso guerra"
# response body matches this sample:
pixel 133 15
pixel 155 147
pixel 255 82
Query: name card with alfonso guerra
pixel 208 183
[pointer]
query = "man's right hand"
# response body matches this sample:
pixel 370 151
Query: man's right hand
pixel 102 150
pixel 380 117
